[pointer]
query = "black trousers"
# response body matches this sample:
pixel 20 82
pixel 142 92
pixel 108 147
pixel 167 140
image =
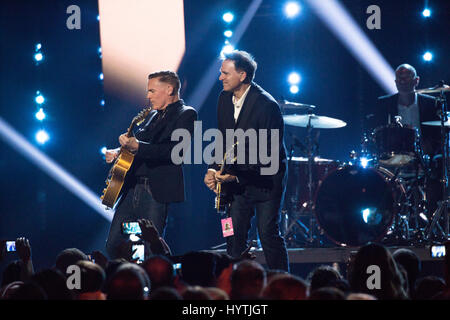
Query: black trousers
pixel 136 203
pixel 268 217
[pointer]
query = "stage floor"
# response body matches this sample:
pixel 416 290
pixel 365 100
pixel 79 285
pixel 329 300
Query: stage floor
pixel 335 255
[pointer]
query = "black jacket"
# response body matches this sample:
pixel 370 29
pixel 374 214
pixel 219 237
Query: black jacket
pixel 259 111
pixel 387 106
pixel 153 159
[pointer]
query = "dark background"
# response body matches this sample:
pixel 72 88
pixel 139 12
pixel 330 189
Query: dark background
pixel 34 205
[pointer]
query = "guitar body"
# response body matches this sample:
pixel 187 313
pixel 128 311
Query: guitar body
pixel 116 176
pixel 115 181
pixel 222 200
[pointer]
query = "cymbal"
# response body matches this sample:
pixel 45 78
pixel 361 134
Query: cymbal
pixel 295 105
pixel 318 122
pixel 436 123
pixel 435 89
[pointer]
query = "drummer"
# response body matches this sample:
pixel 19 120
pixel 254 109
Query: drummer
pixel 410 109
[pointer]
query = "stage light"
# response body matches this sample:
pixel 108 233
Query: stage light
pixel 294 78
pixel 38 46
pixel 228 17
pixel 98 17
pixel 364 162
pixel 103 150
pixel 39 98
pixel 227 49
pixel 342 24
pixel 42 136
pixel 228 33
pixel 427 56
pixel 102 102
pixel 292 9
pixel 100 76
pixel 38 56
pixel 40 115
pixel 426 13
pixel 22 146
pixel 294 89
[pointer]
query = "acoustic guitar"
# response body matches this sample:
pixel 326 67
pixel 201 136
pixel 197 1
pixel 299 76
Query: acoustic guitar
pixel 116 177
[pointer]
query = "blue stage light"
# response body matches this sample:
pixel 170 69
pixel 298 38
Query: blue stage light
pixel 40 115
pixel 100 76
pixel 102 102
pixel 103 150
pixel 426 13
pixel 427 56
pixel 292 9
pixel 228 17
pixel 38 56
pixel 228 33
pixel 364 162
pixel 294 89
pixel 42 136
pixel 294 78
pixel 39 98
pixel 228 48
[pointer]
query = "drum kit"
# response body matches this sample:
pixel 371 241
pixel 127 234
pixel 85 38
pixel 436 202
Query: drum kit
pixel 377 195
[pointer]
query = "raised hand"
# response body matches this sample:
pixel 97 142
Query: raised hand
pixel 23 249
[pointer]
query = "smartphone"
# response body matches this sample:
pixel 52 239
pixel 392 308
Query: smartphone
pixel 176 268
pixel 131 228
pixel 437 251
pixel 10 246
pixel 139 254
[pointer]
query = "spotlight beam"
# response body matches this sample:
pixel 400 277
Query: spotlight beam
pixel 201 92
pixel 345 28
pixel 43 162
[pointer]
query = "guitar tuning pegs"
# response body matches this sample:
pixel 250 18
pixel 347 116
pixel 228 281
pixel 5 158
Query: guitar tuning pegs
pixel 101 198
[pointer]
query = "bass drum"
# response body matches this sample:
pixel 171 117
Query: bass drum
pixel 297 193
pixel 356 205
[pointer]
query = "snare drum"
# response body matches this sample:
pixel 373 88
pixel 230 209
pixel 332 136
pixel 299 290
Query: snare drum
pixel 395 146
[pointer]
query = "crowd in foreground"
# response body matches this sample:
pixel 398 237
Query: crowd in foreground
pixel 206 275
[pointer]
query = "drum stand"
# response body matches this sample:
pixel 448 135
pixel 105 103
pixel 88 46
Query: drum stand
pixel 443 205
pixel 308 232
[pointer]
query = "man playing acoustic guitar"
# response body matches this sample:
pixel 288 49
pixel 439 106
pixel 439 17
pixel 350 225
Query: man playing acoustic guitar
pixel 153 181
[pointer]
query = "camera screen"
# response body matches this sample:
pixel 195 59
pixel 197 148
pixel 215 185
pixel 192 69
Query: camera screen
pixel 131 228
pixel 10 246
pixel 438 251
pixel 177 266
pixel 139 254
